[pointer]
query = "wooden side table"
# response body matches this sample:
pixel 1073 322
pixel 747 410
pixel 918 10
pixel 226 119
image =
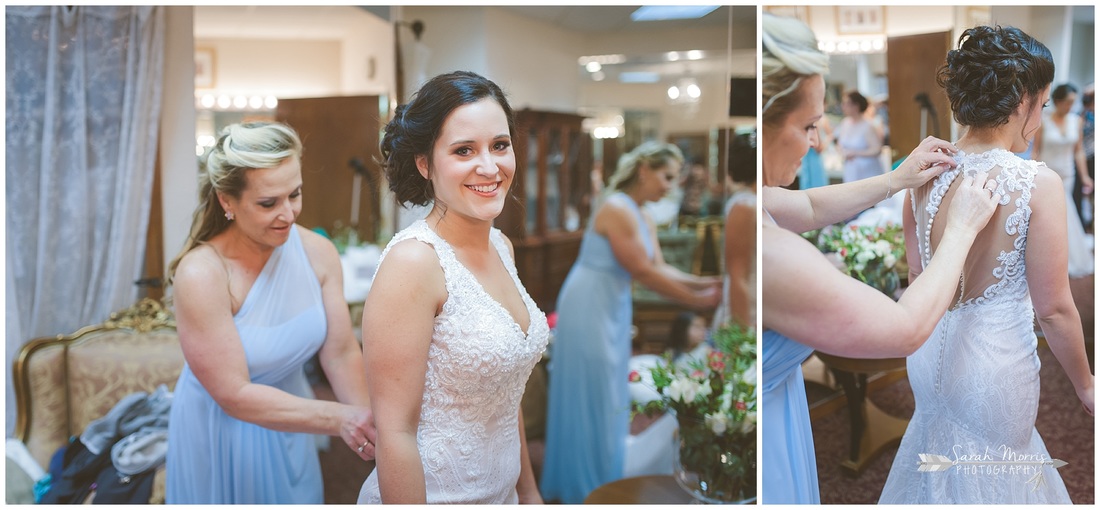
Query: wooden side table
pixel 651 490
pixel 871 428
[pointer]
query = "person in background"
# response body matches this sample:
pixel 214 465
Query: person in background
pixel 857 140
pixel 739 240
pixel 1059 144
pixel 588 418
pixel 256 297
pixel 812 173
pixel 1088 141
pixel 450 335
pixel 695 188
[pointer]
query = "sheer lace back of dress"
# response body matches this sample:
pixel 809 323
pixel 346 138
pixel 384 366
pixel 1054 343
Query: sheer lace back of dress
pixel 995 266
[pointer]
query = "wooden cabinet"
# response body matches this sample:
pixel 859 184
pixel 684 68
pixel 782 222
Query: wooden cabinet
pixel 340 178
pixel 551 200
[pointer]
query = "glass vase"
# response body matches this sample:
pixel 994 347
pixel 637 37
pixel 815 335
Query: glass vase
pixel 713 468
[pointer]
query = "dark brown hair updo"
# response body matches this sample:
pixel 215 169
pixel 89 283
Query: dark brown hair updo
pixel 992 72
pixel 858 100
pixel 417 124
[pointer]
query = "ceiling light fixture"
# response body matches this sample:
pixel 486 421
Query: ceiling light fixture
pixel 670 12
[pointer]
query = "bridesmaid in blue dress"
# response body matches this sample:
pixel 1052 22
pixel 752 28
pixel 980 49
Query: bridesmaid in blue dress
pixel 256 297
pixel 588 417
pixel 807 304
pixel 812 174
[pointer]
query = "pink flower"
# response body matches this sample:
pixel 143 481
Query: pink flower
pixel 740 405
pixel 717 365
pixel 635 376
pixel 698 374
pixel 552 320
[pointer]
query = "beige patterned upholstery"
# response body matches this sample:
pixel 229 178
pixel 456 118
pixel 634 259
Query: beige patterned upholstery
pixel 65 382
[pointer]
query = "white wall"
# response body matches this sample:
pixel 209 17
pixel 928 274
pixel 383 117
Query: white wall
pixel 542 74
pixel 900 20
pixel 178 166
pixel 456 36
pixel 282 68
pixel 372 42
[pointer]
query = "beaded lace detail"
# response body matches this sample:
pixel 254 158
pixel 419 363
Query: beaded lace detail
pixel 479 361
pixel 1015 178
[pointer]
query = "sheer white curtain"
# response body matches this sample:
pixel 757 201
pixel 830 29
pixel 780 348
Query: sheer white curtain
pixel 83 105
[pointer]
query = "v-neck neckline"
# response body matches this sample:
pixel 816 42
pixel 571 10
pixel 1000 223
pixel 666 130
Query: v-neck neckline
pixel 481 287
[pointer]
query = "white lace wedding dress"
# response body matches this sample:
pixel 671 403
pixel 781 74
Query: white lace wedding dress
pixel 976 379
pixel 479 361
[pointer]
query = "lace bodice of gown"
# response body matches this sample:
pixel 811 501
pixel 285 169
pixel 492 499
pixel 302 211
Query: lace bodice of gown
pixel 995 266
pixel 479 361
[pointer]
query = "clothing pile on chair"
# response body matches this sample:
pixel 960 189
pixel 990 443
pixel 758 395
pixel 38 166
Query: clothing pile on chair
pixel 116 456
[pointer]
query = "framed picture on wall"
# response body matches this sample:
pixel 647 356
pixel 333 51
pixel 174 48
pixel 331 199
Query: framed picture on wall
pixel 860 19
pixel 204 68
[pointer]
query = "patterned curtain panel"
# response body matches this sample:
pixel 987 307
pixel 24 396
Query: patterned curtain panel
pixel 83 108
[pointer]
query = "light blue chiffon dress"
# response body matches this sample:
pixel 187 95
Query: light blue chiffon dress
pixel 588 417
pixel 812 172
pixel 789 465
pixel 215 458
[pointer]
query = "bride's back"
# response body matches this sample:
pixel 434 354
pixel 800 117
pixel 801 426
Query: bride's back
pixel 995 265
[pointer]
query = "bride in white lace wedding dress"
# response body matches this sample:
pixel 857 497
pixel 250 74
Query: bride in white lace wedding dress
pixel 449 333
pixel 976 379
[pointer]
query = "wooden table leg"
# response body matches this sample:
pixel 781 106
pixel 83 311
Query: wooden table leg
pixel 872 429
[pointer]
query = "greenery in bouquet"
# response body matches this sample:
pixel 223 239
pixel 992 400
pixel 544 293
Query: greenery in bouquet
pixel 714 400
pixel 871 254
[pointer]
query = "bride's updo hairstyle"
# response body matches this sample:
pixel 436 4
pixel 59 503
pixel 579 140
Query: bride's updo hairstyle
pixel 240 148
pixel 417 124
pixel 993 70
pixel 789 54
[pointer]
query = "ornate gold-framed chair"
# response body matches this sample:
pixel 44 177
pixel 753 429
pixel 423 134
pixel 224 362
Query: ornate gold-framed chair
pixel 62 383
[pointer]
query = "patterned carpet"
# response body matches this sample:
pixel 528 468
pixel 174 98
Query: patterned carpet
pixel 1065 428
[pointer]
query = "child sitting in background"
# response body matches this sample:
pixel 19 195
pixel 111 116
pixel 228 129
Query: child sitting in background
pixel 649 452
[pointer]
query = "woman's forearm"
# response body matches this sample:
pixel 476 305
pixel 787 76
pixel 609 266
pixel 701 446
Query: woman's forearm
pixel 400 471
pixel 740 310
pixel 1062 330
pixel 345 374
pixel 806 210
pixel 526 487
pixel 656 279
pixel 930 295
pixel 275 409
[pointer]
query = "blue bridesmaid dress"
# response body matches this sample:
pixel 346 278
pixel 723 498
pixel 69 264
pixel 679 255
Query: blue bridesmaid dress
pixel 789 465
pixel 812 172
pixel 588 417
pixel 216 458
